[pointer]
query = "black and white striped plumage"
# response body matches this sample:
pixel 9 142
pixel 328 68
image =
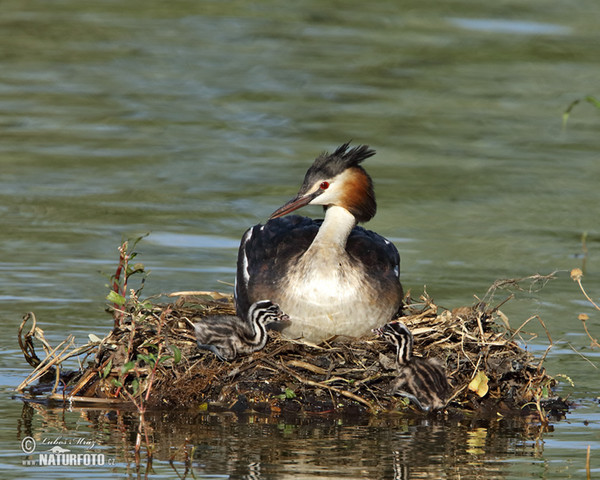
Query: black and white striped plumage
pixel 330 276
pixel 421 379
pixel 228 336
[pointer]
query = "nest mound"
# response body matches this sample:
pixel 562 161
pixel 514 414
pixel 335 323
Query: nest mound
pixel 151 358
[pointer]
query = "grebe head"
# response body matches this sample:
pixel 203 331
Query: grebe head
pixel 266 313
pixel 337 179
pixel 397 334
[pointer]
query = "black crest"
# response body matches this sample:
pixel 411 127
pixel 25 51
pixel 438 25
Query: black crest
pixel 329 165
pixel 342 159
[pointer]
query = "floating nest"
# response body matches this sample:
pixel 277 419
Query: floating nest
pixel 150 360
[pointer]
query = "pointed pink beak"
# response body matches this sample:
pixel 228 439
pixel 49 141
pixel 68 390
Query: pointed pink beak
pixel 294 204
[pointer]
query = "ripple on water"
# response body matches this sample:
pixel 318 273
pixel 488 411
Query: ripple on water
pixel 496 25
pixel 185 240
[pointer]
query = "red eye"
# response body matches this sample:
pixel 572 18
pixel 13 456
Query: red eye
pixel 324 185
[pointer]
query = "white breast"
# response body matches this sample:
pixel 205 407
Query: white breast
pixel 329 296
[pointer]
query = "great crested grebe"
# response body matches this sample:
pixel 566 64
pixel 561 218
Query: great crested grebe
pixel 228 336
pixel 420 379
pixel 330 276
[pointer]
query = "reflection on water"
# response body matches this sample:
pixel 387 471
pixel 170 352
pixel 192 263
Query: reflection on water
pixel 252 446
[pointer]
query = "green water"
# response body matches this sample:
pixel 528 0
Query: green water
pixel 195 120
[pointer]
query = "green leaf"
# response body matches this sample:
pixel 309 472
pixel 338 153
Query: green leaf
pixel 116 383
pixel 164 358
pixel 594 101
pixel 150 359
pixel 106 370
pixel 135 386
pixel 136 268
pixel 176 353
pixel 137 239
pixel 116 298
pixel 287 395
pixel 128 367
pixel 142 357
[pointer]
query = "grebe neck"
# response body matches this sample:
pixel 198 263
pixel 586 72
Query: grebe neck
pixel 335 229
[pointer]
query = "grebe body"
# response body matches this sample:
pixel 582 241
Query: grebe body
pixel 422 380
pixel 228 336
pixel 330 276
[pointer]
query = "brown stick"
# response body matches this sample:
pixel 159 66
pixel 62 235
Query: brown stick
pixel 345 393
pixel 46 364
pixel 577 277
pixel 26 344
pixel 594 341
pixel 587 464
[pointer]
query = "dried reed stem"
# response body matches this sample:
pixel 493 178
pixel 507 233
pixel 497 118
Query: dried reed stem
pixel 587 464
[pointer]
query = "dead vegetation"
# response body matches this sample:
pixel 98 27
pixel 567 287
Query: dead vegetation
pixel 150 360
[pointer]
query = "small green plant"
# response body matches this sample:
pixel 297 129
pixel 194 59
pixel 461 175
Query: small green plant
pixel 117 295
pixel 541 392
pixel 289 394
pixel 567 113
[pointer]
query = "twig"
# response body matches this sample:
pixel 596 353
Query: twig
pixel 497 307
pixel 91 373
pixel 515 283
pixel 582 356
pixel 587 464
pixel 152 375
pixel 26 344
pixel 307 366
pixel 480 326
pixel 545 329
pixel 47 363
pixel 121 268
pixel 583 317
pixel 121 278
pixel 457 392
pixel 539 367
pixel 89 400
pixel 515 333
pixel 142 429
pixel 576 275
pixel 312 383
pixel 201 293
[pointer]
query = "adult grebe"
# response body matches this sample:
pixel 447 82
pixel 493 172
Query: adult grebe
pixel 330 276
pixel 228 336
pixel 420 379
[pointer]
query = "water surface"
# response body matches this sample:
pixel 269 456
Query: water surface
pixel 195 120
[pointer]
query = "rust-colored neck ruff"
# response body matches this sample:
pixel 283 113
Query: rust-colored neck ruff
pixel 358 196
